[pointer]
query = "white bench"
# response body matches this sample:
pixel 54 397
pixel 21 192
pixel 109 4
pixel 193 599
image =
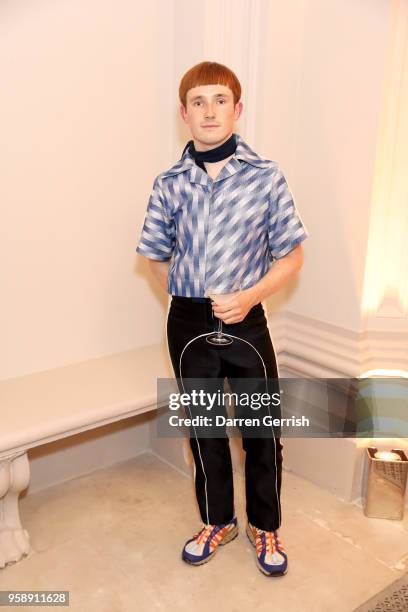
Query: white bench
pixel 54 404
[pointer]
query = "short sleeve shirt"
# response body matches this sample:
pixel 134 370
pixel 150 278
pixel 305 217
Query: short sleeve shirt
pixel 222 234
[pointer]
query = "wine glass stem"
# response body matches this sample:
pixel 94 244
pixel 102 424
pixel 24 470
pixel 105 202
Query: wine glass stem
pixel 219 331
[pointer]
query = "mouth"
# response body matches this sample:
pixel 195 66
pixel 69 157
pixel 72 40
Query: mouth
pixel 211 126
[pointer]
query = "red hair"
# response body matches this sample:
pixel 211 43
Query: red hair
pixel 209 73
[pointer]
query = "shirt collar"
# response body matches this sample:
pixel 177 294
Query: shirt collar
pixel 243 151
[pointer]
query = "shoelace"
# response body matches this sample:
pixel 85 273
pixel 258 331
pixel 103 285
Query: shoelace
pixel 269 541
pixel 203 534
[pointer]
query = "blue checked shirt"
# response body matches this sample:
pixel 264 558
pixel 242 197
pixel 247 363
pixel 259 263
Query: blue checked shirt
pixel 221 234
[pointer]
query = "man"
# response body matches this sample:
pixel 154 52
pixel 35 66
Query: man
pixel 218 218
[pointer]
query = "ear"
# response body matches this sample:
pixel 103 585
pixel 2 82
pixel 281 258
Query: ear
pixel 238 110
pixel 183 112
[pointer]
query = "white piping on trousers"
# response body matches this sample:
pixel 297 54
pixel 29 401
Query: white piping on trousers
pixel 195 433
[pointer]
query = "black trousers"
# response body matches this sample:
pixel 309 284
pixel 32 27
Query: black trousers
pixel 188 318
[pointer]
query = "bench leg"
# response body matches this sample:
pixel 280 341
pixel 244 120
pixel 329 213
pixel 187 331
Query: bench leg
pixel 14 478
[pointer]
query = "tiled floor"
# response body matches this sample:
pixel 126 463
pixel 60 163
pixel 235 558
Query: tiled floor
pixel 113 539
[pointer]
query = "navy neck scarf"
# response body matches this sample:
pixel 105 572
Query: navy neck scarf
pixel 226 149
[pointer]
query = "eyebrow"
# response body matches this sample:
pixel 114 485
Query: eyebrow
pixel 223 95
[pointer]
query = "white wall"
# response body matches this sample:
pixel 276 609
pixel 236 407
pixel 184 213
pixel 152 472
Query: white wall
pixel 325 65
pixel 80 124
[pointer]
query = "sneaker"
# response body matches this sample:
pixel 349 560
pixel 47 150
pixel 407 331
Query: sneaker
pixel 271 556
pixel 203 545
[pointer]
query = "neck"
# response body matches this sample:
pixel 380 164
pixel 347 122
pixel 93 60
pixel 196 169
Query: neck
pixel 225 149
pixel 201 147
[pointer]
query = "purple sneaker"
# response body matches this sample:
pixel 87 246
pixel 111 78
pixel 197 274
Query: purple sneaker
pixel 271 557
pixel 203 545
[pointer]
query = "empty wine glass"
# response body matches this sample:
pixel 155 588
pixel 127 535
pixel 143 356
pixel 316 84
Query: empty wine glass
pixel 218 338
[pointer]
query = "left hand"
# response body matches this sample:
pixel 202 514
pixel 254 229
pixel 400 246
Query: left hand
pixel 237 308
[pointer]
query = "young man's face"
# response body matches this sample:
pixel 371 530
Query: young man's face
pixel 210 105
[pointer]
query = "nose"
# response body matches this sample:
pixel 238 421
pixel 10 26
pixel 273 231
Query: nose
pixel 209 113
